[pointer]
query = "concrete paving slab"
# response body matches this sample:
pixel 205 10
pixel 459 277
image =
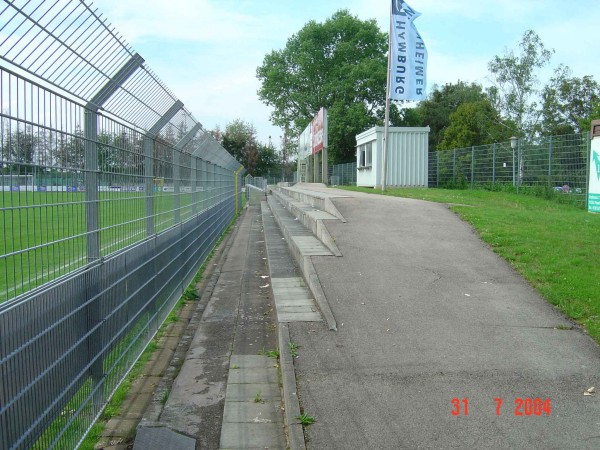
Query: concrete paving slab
pixel 321 215
pixel 300 317
pixel 250 435
pixel 269 392
pixel 251 412
pixel 161 438
pixel 296 309
pixel 295 301
pixel 298 291
pixel 120 427
pixel 252 375
pixel 288 282
pixel 251 361
pixel 310 245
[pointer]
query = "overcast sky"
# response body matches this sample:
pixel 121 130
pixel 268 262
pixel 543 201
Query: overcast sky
pixel 207 51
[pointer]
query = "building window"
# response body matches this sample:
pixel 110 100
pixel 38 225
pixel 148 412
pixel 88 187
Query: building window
pixel 365 155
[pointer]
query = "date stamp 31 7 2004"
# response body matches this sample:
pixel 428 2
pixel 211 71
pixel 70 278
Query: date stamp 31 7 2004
pixel 522 407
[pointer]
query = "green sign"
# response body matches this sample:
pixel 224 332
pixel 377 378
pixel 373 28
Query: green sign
pixel 594 183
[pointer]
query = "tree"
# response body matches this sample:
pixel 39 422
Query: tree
pixel 267 161
pixel 568 103
pixel 70 152
pixel 339 64
pixel 586 124
pixel 239 139
pixel 514 82
pixel 475 123
pixel 443 101
pixel 19 148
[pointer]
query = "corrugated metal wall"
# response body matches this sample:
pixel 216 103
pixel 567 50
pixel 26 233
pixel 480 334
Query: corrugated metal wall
pixel 407 160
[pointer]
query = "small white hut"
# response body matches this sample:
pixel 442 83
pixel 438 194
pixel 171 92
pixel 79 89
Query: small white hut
pixel 407 157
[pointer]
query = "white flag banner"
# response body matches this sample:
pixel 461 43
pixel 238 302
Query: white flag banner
pixel 408 55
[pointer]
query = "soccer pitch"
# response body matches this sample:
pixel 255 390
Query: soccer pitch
pixel 44 233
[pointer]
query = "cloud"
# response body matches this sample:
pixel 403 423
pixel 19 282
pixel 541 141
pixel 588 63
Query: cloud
pixel 207 51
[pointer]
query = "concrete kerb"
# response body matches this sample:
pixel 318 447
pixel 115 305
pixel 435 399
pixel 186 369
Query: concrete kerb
pixel 309 273
pixel 317 226
pixel 290 395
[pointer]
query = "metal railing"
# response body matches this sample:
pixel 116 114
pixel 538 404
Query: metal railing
pixel 556 164
pixel 112 195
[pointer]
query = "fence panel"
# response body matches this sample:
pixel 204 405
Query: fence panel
pixel 342 174
pixel 111 197
pixel 557 163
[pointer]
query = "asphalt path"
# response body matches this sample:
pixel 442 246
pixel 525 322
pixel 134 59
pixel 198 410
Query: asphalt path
pixel 441 344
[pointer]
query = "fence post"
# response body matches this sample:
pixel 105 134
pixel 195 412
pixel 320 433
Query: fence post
pixel 176 185
pixel 91 185
pixel 494 165
pixel 473 167
pixel 149 177
pixel 203 183
pixel 183 142
pixel 194 184
pixel 550 163
pixel 519 163
pixel 91 181
pixel 454 168
pixel 210 181
pixel 93 250
pixel 149 138
pixel 437 169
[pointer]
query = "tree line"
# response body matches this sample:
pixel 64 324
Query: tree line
pixel 119 151
pixel 341 64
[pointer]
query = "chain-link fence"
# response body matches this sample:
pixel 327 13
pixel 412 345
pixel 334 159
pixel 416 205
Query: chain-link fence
pixel 112 196
pixel 557 164
pixel 342 174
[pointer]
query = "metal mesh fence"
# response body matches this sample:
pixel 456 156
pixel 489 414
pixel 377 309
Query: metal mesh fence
pixel 111 197
pixel 558 165
pixel 258 182
pixel 342 174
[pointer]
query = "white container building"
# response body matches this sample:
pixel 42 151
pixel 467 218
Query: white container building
pixel 407 157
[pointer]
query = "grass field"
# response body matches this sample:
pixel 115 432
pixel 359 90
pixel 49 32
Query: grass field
pixel 44 233
pixel 556 247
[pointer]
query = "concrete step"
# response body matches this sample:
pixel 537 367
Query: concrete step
pixel 311 217
pixel 303 245
pixel 293 300
pixel 318 200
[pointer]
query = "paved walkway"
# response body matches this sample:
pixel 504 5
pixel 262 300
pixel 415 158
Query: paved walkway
pixel 227 393
pixel 434 331
pixel 428 314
